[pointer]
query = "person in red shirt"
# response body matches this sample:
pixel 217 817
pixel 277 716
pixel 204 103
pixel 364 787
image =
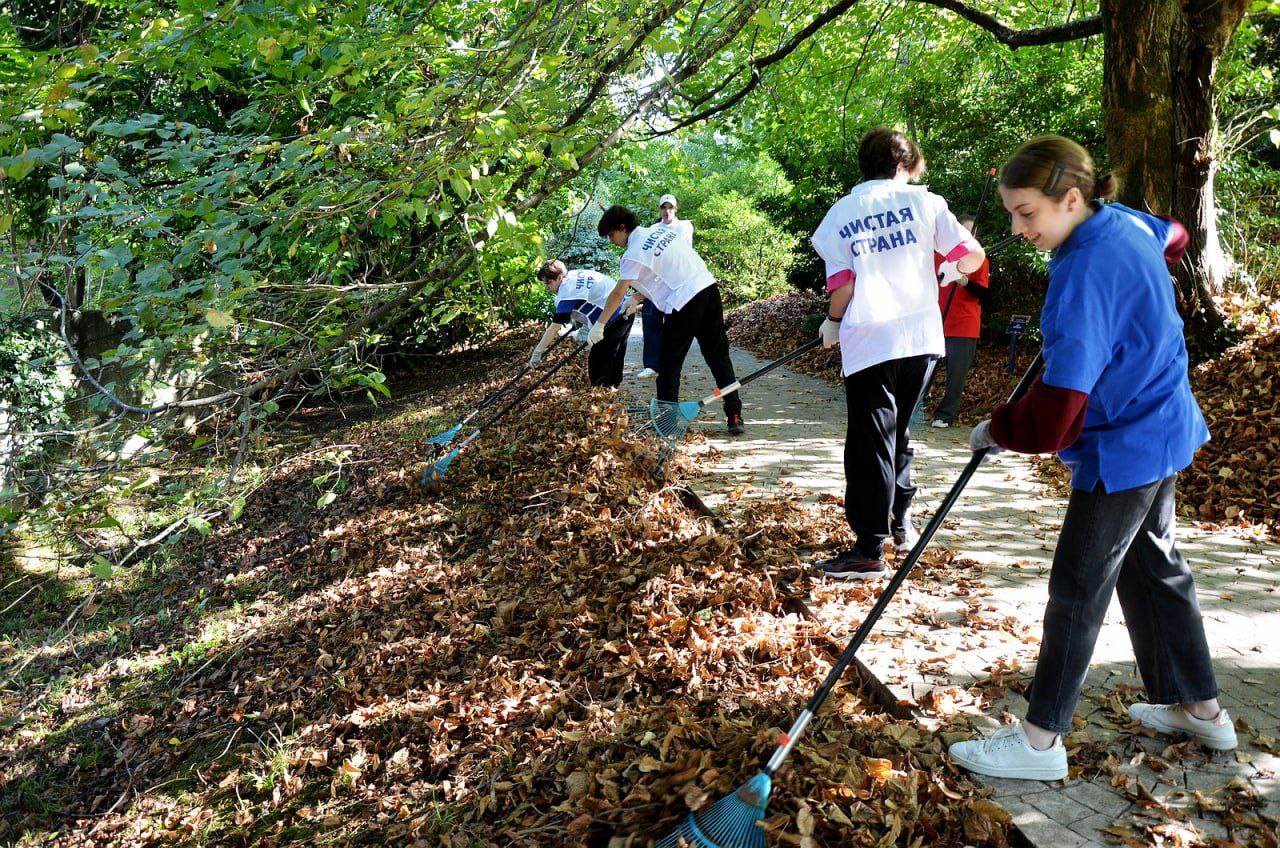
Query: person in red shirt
pixel 961 298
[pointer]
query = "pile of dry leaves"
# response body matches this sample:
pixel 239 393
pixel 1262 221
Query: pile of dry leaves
pixel 1236 476
pixel 555 650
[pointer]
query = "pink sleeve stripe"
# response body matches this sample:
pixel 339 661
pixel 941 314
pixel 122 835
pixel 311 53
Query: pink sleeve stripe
pixel 839 279
pixel 1175 243
pixel 962 249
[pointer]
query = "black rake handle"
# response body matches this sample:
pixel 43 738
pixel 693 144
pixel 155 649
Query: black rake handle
pixel 756 375
pixel 785 360
pixel 789 739
pixel 514 402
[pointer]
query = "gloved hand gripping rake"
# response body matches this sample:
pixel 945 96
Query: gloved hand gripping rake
pixel 733 821
pixel 670 420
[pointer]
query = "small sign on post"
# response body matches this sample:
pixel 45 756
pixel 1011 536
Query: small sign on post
pixel 1018 325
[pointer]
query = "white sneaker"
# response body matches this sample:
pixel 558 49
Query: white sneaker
pixel 646 373
pixel 939 424
pixel 1007 753
pixel 1216 733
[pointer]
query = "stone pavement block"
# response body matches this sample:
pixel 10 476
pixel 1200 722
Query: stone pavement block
pixel 1099 797
pixel 1040 830
pixel 1059 807
pixel 1090 828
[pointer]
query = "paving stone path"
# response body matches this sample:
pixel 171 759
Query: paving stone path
pixel 928 650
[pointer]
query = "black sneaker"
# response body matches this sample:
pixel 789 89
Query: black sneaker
pixel 851 565
pixel 736 427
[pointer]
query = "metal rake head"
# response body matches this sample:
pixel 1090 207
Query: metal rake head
pixel 731 822
pixel 638 414
pixel 670 420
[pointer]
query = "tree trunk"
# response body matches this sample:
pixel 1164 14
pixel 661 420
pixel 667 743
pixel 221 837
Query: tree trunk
pixel 1159 107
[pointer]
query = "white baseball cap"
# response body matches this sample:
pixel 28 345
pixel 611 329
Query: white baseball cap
pixel 668 198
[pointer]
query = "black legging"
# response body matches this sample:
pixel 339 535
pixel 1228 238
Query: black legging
pixel 604 362
pixel 702 318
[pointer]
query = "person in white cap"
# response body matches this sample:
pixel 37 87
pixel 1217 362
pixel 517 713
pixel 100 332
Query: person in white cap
pixel 650 317
pixel 667 217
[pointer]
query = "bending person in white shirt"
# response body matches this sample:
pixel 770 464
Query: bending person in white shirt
pixel 585 291
pixel 878 243
pixel 666 270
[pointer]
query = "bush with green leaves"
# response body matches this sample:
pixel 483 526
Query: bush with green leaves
pixel 34 391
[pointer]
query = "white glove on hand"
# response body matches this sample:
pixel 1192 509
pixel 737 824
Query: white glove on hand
pixel 829 332
pixel 981 438
pixel 948 273
pixel 632 307
pixel 596 335
pixel 583 332
pixel 535 358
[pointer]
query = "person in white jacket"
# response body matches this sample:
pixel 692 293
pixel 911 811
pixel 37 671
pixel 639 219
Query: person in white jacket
pixel 586 292
pixel 878 243
pixel 663 266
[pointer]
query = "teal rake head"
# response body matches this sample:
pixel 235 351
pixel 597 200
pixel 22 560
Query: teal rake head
pixel 731 822
pixel 434 473
pixel 446 437
pixel 670 420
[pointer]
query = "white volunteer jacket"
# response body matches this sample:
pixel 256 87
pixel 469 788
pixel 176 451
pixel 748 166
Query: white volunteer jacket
pixel 665 267
pixel 884 233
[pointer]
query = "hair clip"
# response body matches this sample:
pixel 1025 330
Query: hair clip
pixel 1055 177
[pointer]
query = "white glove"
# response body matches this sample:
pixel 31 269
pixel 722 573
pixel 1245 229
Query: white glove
pixel 583 332
pixel 981 438
pixel 829 332
pixel 948 273
pixel 535 358
pixel 632 307
pixel 596 335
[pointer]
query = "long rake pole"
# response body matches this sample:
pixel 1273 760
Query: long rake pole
pixel 441 440
pixel 788 740
pixel 432 474
pixel 720 392
pixel 670 419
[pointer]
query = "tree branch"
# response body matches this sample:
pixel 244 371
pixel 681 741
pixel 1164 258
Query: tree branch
pixel 1071 31
pixel 1015 38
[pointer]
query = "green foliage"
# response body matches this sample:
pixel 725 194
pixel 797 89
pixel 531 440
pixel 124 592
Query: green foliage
pixel 33 401
pixel 750 255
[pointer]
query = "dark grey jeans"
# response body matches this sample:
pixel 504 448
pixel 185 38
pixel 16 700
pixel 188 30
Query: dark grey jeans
pixel 960 353
pixel 1122 541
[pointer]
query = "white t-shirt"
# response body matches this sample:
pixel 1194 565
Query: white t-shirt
pixel 665 267
pixel 583 290
pixel 685 228
pixel 882 235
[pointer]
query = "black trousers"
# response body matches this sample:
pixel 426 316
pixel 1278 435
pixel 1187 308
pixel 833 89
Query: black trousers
pixel 604 362
pixel 960 354
pixel 1122 541
pixel 877 447
pixel 702 318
